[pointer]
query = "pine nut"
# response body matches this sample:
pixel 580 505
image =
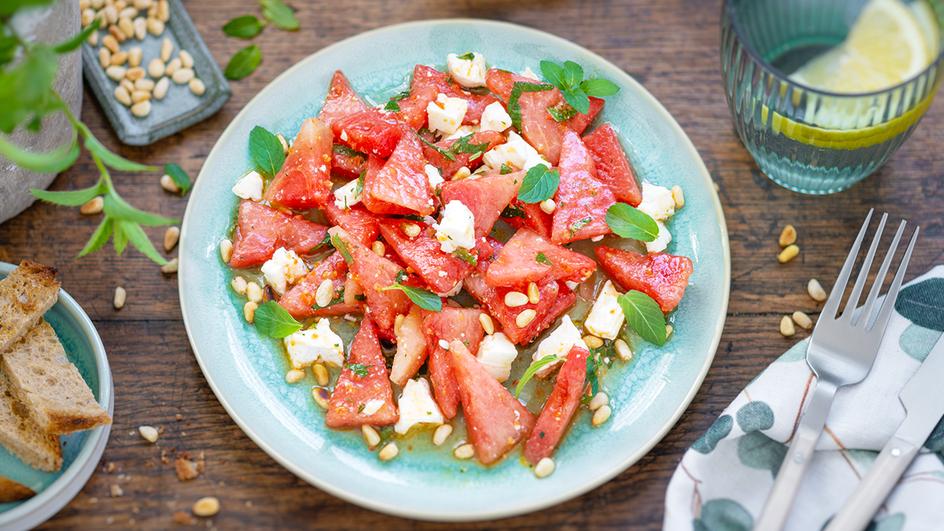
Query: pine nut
pixel 379 248
pixel 466 451
pixel 126 27
pixel 239 285
pixel 622 350
pixel 544 468
pixel 171 237
pixel 788 236
pixel 92 206
pixel 104 57
pixel 97 4
pixel 786 326
pixel 803 320
pixel 599 400
pixel 294 376
pixel 125 11
pixel 135 73
pixel 116 33
pixel 592 341
pixel 170 267
pixel 668 331
pixel 197 87
pixel 111 14
pixel 371 437
pixel 461 173
pixel 206 507
pixel 788 253
pixel 321 374
pixel 388 452
pixel 254 292
pixel 128 85
pixel 412 230
pixel 678 197
pixel 110 42
pixel 548 206
pixel 160 88
pixel 249 311
pixel 167 48
pixel 144 84
pixel 148 433
pixel 325 293
pixel 815 290
pixel 93 39
pixel 120 297
pixel 443 344
pixel 487 324
pixel 135 55
pixel 141 5
pixel 172 66
pixel 601 415
pixel 514 299
pixel 88 15
pixel 397 323
pixel 140 95
pixel 168 184
pixel 140 28
pixel 182 75
pixel 283 142
pixel 321 396
pixel 163 10
pixel 155 27
pixel 155 68
pixel 534 294
pixel 524 318
pixel 441 434
pixel 116 73
pixel 119 59
pixel 226 250
pixel 185 58
pixel 141 109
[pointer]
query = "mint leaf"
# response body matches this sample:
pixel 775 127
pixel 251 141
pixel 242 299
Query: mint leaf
pixel 519 88
pixel 466 256
pixel 579 224
pixel 505 169
pixel 113 160
pixel 573 74
pixel 532 370
pixel 539 184
pixel 552 72
pixel 592 379
pixel 644 315
pixel 273 320
pixel 339 244
pixel 279 14
pixel 244 27
pixel 464 145
pixel 119 209
pixel 426 300
pixel 179 176
pixel 467 56
pixel 265 150
pixel 243 63
pixel 629 222
pixel 575 89
pixel 599 87
pixel 359 369
pixel 578 100
pixel 562 113
pixel 341 149
pixel 134 234
pixel 100 237
pixel 444 152
pixel 542 258
pixel 392 105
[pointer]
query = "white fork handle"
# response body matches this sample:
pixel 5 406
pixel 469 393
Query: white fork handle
pixel 798 458
pixel 875 486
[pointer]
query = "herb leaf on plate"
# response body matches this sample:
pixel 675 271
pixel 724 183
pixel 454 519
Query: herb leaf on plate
pixel 265 150
pixel 274 321
pixel 339 244
pixel 532 370
pixel 426 300
pixel 244 27
pixel 627 221
pixel 519 88
pixel 568 77
pixel 243 63
pixel 539 183
pixel 644 316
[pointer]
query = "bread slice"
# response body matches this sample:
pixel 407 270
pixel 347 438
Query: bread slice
pixel 25 295
pixel 11 491
pixel 50 387
pixel 23 437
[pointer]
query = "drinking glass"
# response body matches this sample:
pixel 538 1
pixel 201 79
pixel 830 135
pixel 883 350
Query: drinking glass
pixel 808 140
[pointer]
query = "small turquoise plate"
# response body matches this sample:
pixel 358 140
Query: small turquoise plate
pixel 247 371
pixel 80 451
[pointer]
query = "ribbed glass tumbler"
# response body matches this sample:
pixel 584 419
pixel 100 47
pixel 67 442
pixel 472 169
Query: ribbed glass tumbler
pixel 808 140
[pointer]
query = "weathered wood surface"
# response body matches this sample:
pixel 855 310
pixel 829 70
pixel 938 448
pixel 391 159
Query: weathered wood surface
pixel 669 46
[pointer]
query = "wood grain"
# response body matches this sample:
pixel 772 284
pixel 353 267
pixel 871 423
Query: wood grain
pixel 669 46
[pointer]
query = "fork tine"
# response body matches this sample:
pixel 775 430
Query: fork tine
pixel 832 304
pixel 866 317
pixel 892 294
pixel 849 310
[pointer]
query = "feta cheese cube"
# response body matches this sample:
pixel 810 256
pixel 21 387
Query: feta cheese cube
pixel 446 113
pixel 662 239
pixel 417 406
pixel 468 72
pixel 496 353
pixel 456 228
pixel 349 194
pixel 558 343
pixel 515 152
pixel 657 201
pixel 494 118
pixel 283 269
pixel 606 317
pixel 320 343
pixel 433 176
pixel 249 186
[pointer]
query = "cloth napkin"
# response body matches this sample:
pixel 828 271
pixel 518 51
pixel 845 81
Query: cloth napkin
pixel 724 479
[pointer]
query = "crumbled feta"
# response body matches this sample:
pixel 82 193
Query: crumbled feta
pixel 283 269
pixel 467 72
pixel 571 284
pixel 662 239
pixel 494 118
pixel 349 195
pixel 372 406
pixel 315 344
pixel 528 73
pixel 657 201
pixel 417 406
pixel 249 186
pixel 456 228
pixel 433 176
pixel 446 113
pixel 558 343
pixel 463 130
pixel 515 152
pixel 606 317
pixel 496 353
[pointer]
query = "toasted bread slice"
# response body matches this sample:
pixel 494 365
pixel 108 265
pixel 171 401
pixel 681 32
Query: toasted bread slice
pixel 23 437
pixel 25 295
pixel 11 491
pixel 49 385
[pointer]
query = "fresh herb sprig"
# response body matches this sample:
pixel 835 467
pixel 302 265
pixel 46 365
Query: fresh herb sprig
pixel 540 183
pixel 644 315
pixel 245 61
pixel 576 90
pixel 532 370
pixel 244 27
pixel 272 320
pixel 392 104
pixel 627 221
pixel 426 300
pixel 461 145
pixel 266 151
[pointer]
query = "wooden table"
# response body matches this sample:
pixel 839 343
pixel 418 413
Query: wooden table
pixel 670 46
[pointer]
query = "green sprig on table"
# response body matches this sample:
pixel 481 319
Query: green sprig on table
pixel 245 61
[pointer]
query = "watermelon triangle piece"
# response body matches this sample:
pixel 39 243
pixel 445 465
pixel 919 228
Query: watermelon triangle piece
pixel 582 200
pixel 304 181
pixel 441 271
pixel 485 196
pixel 496 420
pixel 426 84
pixel 411 347
pixel 558 411
pixel 370 131
pixel 341 100
pixel 555 299
pixel 662 276
pixel 401 185
pixel 530 216
pixel 529 257
pixel 363 395
pixel 356 221
pixel 260 230
pixel 300 299
pixel 451 324
pixel 612 165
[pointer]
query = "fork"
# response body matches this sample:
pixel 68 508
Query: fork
pixel 841 352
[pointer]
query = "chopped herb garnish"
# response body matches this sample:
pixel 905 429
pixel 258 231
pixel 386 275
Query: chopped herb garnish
pixel 360 297
pixel 505 169
pixel 273 320
pixel 542 258
pixel 339 244
pixel 444 152
pixel 467 56
pixel 466 256
pixel 575 89
pixel 592 378
pixel 341 149
pixel 540 183
pixel 401 276
pixel 392 105
pixel 532 370
pixel 426 300
pixel 562 112
pixel 519 88
pixel 513 211
pixel 461 145
pixel 579 224
pixel 359 370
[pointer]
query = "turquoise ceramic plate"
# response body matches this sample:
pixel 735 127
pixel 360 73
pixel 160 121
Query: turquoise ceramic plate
pixel 246 371
pixel 80 451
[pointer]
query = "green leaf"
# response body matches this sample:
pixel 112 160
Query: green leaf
pixel 265 150
pixel 100 237
pixel 539 184
pixel 644 315
pixel 53 161
pixel 444 152
pixel 280 14
pixel 392 105
pixel 599 87
pixel 562 113
pixel 722 514
pixel 464 145
pixel 273 320
pixel 77 39
pixel 579 224
pixel 140 241
pixel 532 370
pixel 359 369
pixel 466 256
pixel 467 56
pixel 627 221
pixel 755 416
pixel 113 160
pixel 757 450
pixel 244 27
pixel 505 169
pixel 592 378
pixel 8 7
pixel 578 100
pixel 553 73
pixel 573 75
pixel 426 300
pixel 519 88
pixel 119 240
pixel 542 258
pixel 119 209
pixel 243 63
pixel 70 198
pixel 26 89
pixel 339 244
pixel 180 177
pixel 341 149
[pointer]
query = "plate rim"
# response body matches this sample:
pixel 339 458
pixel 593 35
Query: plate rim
pixel 432 515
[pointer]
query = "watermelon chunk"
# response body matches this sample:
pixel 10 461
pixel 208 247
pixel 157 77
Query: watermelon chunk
pixel 529 216
pixel 440 271
pixel 485 196
pixel 341 100
pixel 260 230
pixel 374 273
pixel 449 167
pixel 580 122
pixel 347 162
pixel 612 165
pixel 401 185
pixel 451 324
pixel 426 84
pixel 529 257
pixel 554 300
pixel 363 379
pixel 662 276
pixel 372 131
pixel 495 420
pixel 411 347
pixel 356 221
pixel 560 407
pixel 300 299
pixel 582 200
pixel 305 178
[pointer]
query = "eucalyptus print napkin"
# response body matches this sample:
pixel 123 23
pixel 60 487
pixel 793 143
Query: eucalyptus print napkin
pixel 725 477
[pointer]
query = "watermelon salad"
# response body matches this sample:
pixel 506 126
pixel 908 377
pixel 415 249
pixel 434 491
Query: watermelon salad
pixel 412 256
